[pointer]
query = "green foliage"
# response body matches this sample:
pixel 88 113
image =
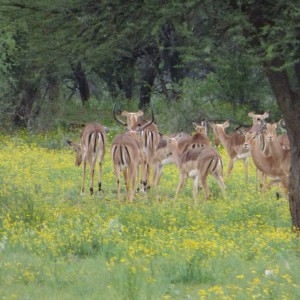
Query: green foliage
pixel 114 42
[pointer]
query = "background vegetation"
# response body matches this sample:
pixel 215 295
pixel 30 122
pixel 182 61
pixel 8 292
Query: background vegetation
pixel 191 57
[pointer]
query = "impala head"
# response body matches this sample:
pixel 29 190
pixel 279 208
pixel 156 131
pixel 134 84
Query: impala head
pixel 219 127
pixel 257 118
pixel 132 117
pixel 200 128
pixel 78 150
pixel 256 131
pixel 171 143
pixel 249 139
pixel 270 132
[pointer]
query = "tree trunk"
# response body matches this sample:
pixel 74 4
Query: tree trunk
pixel 53 88
pixel 28 94
pixel 172 60
pixel 83 84
pixel 146 87
pixel 289 104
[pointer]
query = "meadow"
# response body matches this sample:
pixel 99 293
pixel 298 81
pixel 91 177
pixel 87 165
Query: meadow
pixel 57 244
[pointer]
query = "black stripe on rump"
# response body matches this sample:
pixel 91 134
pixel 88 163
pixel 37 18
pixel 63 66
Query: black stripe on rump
pixel 127 153
pixel 95 142
pixel 121 154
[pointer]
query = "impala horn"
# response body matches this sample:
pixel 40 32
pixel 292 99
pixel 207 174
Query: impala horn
pixel 148 123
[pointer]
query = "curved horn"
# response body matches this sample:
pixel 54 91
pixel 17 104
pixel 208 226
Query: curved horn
pixel 148 123
pixel 115 116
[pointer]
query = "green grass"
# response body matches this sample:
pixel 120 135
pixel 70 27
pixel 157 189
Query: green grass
pixel 56 244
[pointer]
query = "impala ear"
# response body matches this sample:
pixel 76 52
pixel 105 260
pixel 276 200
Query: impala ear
pixel 166 138
pixel 212 125
pixel 281 123
pixel 178 136
pixel 266 115
pixel 74 145
pixel 124 113
pixel 140 113
pixel 195 125
pixel 251 114
pixel 226 124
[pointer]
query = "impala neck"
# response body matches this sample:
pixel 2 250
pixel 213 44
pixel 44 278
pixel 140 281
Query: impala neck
pixel 259 158
pixel 176 155
pixel 223 137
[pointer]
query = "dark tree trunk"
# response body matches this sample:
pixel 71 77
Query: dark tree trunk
pixel 289 104
pixel 125 76
pixel 148 61
pixel 125 84
pixel 146 87
pixel 83 84
pixel 297 72
pixel 53 87
pixel 172 62
pixel 28 95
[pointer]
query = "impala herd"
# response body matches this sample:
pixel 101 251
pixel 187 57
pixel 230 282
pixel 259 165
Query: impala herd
pixel 142 150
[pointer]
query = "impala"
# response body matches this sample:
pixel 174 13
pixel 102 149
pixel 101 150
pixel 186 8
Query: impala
pixel 198 139
pixel 160 159
pixel 233 144
pixel 265 163
pixel 185 142
pixel 127 154
pixel 258 118
pixel 279 153
pixel 90 149
pixel 149 137
pixel 196 163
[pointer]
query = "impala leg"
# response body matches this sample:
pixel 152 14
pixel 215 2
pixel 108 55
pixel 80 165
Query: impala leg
pixel 221 184
pixel 83 177
pixel 155 174
pixel 195 189
pixel 144 177
pixel 205 186
pixel 133 186
pixel 182 181
pixel 118 176
pixel 230 166
pixel 100 177
pixel 92 177
pixel 100 172
pixel 125 174
pixel 156 179
pixel 246 167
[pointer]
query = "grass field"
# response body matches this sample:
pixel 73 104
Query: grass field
pixel 56 244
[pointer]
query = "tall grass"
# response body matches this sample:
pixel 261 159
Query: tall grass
pixel 56 244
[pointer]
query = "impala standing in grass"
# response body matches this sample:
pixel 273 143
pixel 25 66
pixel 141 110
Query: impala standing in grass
pixel 233 144
pixel 196 163
pixel 149 138
pixel 279 153
pixel 265 163
pixel 127 154
pixel 90 149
